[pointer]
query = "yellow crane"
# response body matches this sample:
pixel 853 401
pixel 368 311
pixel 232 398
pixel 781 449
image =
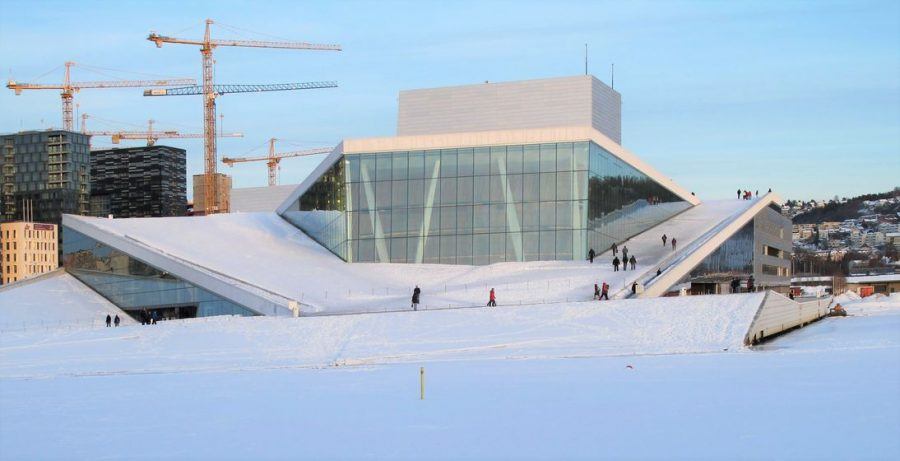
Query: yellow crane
pixel 69 88
pixel 150 135
pixel 273 160
pixel 209 90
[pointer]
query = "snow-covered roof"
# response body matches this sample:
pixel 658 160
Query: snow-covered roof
pixel 874 278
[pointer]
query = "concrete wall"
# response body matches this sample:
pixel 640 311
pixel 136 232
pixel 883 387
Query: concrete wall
pixel 779 313
pixel 567 101
pixel 771 228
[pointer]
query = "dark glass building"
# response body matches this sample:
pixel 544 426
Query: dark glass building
pixel 137 182
pixel 49 168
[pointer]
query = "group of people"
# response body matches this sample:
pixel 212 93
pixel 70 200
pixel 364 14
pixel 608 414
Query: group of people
pixel 417 293
pixel 110 320
pixel 751 285
pixel 674 241
pixel 747 195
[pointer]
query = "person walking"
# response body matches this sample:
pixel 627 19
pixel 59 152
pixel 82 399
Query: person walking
pixel 591 255
pixel 750 284
pixel 634 287
pixel 596 291
pixel 673 243
pixel 624 253
pixel 664 238
pixel 108 320
pixel 415 298
pixel 735 284
pixel 116 320
pixel 616 264
pixel 633 262
pixel 739 194
pixel 757 192
pixel 492 299
pixel 614 248
pixel 604 294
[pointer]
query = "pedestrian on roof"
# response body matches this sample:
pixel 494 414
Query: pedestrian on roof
pixel 634 287
pixel 615 249
pixel 604 294
pixel 591 255
pixel 664 237
pixel 673 243
pixel 616 264
pixel 415 298
pixel 596 291
pixel 492 299
pixel 116 320
pixel 739 194
pixel 633 262
pixel 624 253
pixel 108 320
pixel 658 272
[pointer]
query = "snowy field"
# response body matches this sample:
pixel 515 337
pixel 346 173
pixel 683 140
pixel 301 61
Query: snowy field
pixel 828 391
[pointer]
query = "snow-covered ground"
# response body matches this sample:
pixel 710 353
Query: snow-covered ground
pixel 264 251
pixel 54 300
pixel 583 381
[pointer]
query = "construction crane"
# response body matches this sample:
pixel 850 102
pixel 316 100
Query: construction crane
pixel 273 160
pixel 210 91
pixel 69 88
pixel 150 135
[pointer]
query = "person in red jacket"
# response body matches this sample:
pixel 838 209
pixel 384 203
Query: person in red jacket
pixel 492 300
pixel 605 292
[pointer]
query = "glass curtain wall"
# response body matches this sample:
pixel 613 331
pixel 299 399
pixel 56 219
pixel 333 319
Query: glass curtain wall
pixel 623 201
pixel 135 286
pixel 480 205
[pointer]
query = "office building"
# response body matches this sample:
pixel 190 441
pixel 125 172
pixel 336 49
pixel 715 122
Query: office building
pixel 136 182
pixel 27 249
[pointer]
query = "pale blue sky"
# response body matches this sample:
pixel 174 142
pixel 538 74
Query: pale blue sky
pixel 803 97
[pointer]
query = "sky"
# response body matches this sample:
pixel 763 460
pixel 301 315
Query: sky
pixel 800 97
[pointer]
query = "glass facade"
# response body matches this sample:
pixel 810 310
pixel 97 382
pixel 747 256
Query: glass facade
pixel 480 205
pixel 136 286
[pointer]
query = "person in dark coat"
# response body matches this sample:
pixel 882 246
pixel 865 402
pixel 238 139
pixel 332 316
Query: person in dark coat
pixel 415 298
pixel 791 295
pixel 739 194
pixel 492 299
pixel 735 284
pixel 596 291
pixel 664 237
pixel 634 288
pixel 750 284
pixel 673 243
pixel 108 320
pixel 116 320
pixel 614 248
pixel 633 262
pixel 605 292
pixel 624 253
pixel 658 272
pixel 616 264
pixel 591 255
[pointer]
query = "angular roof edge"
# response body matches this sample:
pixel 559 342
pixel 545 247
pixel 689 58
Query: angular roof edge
pixel 519 136
pixel 327 162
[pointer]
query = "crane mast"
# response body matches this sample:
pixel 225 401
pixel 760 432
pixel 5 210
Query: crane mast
pixel 207 45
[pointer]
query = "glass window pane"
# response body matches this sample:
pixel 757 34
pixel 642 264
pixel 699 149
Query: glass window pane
pixel 531 216
pixel 366 224
pixel 564 245
pixel 367 250
pixel 564 186
pixel 532 159
pixel 581 155
pixel 548 187
pixel 353 199
pixel 400 167
pixel 515 183
pixel 367 167
pixel 465 160
pixel 398 222
pixel 548 215
pixel 465 190
pixel 482 189
pixel 416 165
pixel 412 250
pixel 498 159
pixel 432 250
pixel 548 157
pixel 432 164
pixel 448 191
pixel 481 247
pixel 448 163
pixel 416 192
pixel 564 157
pixel 481 220
pixel 498 195
pixel 498 218
pixel 383 167
pixel 433 220
pixel 383 194
pixel 448 249
pixel 514 159
pixel 398 250
pixel 354 225
pixel 513 242
pixel 448 220
pixel 382 223
pixel 414 217
pixel 531 188
pixel 498 248
pixel 548 246
pixel 464 219
pixel 464 249
pixel 399 193
pixel 564 215
pixel 352 162
pixel 482 161
pixel 531 246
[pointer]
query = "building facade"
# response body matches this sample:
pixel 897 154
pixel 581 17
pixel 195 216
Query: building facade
pixel 138 182
pixel 27 249
pixel 223 190
pixel 50 168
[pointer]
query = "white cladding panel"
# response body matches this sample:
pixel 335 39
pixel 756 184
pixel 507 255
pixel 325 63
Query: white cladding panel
pixel 567 101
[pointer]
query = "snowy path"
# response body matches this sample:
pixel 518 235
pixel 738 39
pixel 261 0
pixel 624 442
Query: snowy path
pixel 268 253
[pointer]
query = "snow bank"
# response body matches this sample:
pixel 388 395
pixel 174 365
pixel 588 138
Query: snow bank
pixel 870 305
pixel 696 324
pixel 53 300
